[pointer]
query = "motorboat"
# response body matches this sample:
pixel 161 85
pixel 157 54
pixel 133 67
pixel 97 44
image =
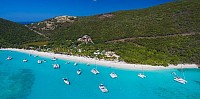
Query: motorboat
pixel 39 61
pixel 25 60
pixel 180 80
pixel 9 58
pixel 56 66
pixel 95 71
pixel 141 75
pixel 66 81
pixel 113 75
pixel 88 64
pixel 53 59
pixel 78 71
pixel 75 64
pixel 103 88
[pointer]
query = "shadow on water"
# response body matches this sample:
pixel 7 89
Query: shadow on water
pixel 16 85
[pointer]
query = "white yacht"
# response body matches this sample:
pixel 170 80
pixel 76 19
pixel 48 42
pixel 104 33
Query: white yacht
pixel 113 75
pixel 103 88
pixel 88 64
pixel 39 61
pixel 53 59
pixel 56 66
pixel 66 81
pixel 9 58
pixel 75 64
pixel 78 71
pixel 25 60
pixel 95 71
pixel 180 80
pixel 141 75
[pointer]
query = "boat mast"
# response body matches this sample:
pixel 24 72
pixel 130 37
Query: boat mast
pixel 182 71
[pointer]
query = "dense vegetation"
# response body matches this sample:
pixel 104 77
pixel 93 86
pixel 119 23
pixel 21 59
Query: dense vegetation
pixel 14 35
pixel 171 18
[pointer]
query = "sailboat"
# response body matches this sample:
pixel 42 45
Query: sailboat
pixel 113 75
pixel 94 70
pixel 179 79
pixel 141 75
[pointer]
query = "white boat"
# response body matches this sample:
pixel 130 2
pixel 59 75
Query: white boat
pixel 88 64
pixel 67 62
pixel 9 58
pixel 180 80
pixel 95 71
pixel 75 64
pixel 103 88
pixel 66 81
pixel 78 72
pixel 141 75
pixel 44 60
pixel 113 75
pixel 39 61
pixel 56 66
pixel 36 56
pixel 54 59
pixel 25 60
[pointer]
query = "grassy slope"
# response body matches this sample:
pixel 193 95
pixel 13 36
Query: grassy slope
pixel 13 34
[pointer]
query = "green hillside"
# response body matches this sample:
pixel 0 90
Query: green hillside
pixel 14 35
pixel 160 35
pixel 171 18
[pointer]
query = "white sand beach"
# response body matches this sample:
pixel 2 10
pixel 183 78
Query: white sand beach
pixel 121 65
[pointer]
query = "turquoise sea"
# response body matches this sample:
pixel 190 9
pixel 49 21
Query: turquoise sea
pixel 30 80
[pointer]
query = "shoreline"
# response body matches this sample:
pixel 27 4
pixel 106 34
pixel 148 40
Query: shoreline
pixel 120 65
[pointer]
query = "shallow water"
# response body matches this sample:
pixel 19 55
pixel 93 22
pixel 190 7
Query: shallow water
pixel 30 80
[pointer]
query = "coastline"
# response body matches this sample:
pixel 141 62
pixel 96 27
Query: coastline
pixel 120 65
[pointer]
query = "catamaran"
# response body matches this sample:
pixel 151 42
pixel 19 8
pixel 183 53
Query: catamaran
pixel 103 88
pixel 141 75
pixel 66 81
pixel 25 60
pixel 56 66
pixel 78 71
pixel 9 58
pixel 179 79
pixel 113 75
pixel 39 61
pixel 95 71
